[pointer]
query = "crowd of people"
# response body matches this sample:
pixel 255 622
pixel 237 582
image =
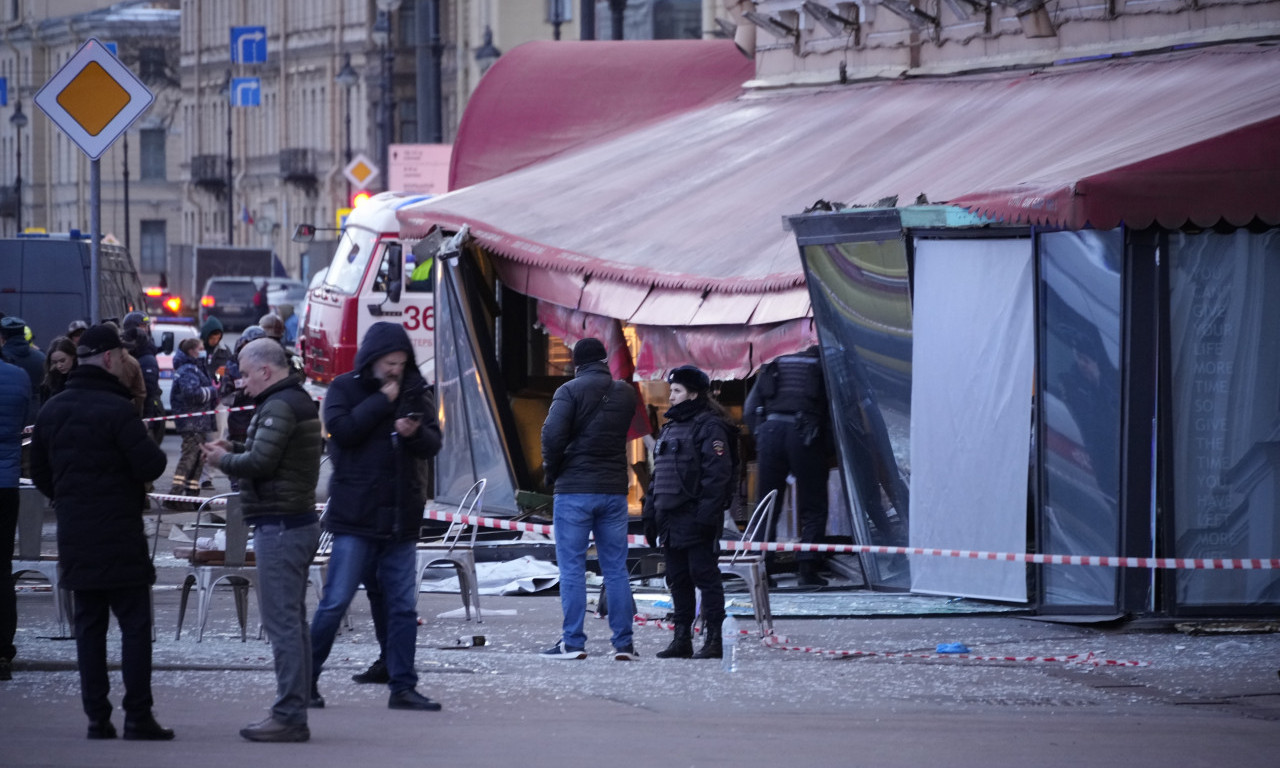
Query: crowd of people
pixel 93 456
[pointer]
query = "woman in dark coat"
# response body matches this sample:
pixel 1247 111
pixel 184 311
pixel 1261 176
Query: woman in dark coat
pixel 58 363
pixel 684 508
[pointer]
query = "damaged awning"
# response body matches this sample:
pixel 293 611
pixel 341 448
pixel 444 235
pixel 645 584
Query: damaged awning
pixel 678 223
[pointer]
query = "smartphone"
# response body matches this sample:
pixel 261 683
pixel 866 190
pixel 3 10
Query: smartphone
pixel 416 416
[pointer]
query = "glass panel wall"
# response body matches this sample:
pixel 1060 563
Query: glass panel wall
pixel 1080 309
pixel 862 304
pixel 1224 309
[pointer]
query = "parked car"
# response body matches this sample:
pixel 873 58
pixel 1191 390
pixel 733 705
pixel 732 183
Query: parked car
pixel 230 299
pixel 160 302
pixel 168 335
pixel 281 291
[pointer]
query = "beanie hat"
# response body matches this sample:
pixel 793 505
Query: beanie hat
pixel 98 339
pixel 588 350
pixel 691 378
pixel 12 326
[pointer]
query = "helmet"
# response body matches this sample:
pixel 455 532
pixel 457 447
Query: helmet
pixel 134 320
pixel 77 325
pixel 251 333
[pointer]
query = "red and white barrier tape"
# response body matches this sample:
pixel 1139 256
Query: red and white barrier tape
pixel 1181 563
pixel 174 416
pixel 778 643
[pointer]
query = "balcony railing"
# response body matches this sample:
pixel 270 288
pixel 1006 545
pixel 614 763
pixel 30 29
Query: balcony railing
pixel 209 172
pixel 298 166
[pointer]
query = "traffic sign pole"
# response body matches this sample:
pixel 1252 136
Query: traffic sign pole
pixel 95 242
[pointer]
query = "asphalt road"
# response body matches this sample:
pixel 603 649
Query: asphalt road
pixel 1195 700
pixel 1126 696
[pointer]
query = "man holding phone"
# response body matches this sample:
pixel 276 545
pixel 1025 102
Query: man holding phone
pixel 382 426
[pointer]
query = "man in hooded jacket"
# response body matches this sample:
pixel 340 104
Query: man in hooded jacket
pixel 382 425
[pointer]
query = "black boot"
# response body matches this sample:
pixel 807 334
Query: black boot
pixel 681 645
pixel 711 647
pixel 809 574
pixel 145 728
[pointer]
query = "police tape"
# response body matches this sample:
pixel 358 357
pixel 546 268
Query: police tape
pixel 1179 563
pixel 174 416
pixel 779 643
pixel 507 524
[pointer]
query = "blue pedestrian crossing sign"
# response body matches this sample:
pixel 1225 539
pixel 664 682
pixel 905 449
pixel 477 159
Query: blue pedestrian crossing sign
pixel 246 92
pixel 248 45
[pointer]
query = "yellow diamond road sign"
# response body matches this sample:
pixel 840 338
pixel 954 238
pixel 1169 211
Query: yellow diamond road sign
pixel 94 98
pixel 360 171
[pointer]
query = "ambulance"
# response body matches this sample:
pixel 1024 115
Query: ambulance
pixel 370 279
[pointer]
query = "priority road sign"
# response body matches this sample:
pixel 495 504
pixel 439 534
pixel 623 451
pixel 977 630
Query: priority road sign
pixel 248 45
pixel 94 98
pixel 360 171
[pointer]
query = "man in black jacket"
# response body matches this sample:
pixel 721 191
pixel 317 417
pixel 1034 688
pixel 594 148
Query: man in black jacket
pixel 279 465
pixel 18 350
pixel 382 426
pixel 136 334
pixel 91 454
pixel 584 441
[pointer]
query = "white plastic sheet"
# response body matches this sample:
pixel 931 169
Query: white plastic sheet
pixel 972 375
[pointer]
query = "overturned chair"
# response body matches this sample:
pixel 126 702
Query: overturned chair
pixel 234 565
pixel 457 548
pixel 749 565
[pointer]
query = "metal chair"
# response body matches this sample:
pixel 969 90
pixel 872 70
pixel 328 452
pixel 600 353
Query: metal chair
pixel 457 548
pixel 209 568
pixel 749 566
pixel 30 559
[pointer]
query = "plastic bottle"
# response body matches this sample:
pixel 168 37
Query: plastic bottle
pixel 729 643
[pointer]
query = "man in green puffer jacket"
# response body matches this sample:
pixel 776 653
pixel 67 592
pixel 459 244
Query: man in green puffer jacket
pixel 278 466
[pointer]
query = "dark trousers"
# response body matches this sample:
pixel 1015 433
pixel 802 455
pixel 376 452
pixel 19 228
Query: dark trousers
pixel 186 475
pixel 8 601
pixel 690 567
pixel 93 609
pixel 780 450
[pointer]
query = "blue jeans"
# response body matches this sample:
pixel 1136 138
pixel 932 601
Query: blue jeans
pixel 578 516
pixel 284 556
pixel 394 566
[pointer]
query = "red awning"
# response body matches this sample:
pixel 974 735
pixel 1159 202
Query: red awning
pixel 679 222
pixel 1233 177
pixel 544 97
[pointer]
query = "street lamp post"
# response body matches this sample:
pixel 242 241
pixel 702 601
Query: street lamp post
pixel 226 88
pixel 386 109
pixel 347 78
pixel 19 121
pixel 487 53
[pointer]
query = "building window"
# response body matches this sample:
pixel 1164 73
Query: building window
pixel 151 64
pixel 152 154
pixel 152 256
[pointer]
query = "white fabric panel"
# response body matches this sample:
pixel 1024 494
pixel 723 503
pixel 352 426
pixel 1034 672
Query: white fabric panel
pixel 972 369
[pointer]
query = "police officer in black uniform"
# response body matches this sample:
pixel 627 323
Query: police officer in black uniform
pixel 684 508
pixel 787 412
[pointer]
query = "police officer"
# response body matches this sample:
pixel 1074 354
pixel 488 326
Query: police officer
pixel 684 508
pixel 787 412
